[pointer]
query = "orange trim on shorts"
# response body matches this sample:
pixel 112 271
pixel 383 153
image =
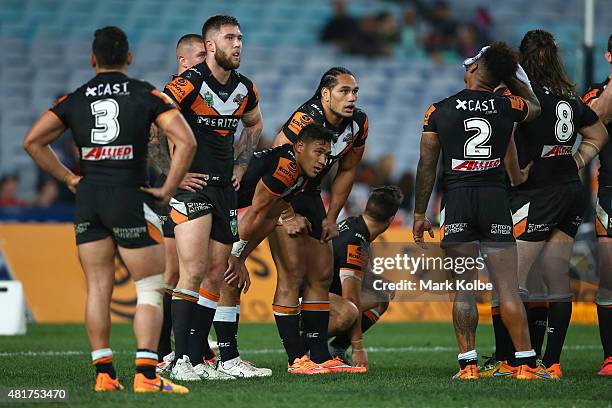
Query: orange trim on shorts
pixel 600 228
pixel 371 316
pixel 177 217
pixel 154 233
pixel 520 227
pixel 237 302
pixel 495 311
pixel 315 307
pixel 169 291
pixel 289 310
pixel 441 231
pixel 538 304
pixel 606 306
pixel 208 295
pixel 102 360
pixel 184 296
pixel 146 362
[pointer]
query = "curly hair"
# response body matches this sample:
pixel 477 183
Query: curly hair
pixel 500 62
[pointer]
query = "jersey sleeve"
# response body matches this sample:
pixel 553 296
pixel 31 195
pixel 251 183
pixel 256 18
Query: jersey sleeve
pixel 362 135
pixel 160 103
pixel 518 106
pixel 182 90
pixel 351 258
pixel 282 175
pixel 587 115
pixel 592 94
pixel 60 108
pixel 429 122
pixel 253 98
pixel 296 123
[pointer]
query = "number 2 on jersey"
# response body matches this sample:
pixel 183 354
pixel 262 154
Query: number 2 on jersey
pixel 564 127
pixel 105 112
pixel 475 147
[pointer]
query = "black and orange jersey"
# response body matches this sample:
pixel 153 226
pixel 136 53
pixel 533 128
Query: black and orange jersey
pixel 605 155
pixel 474 129
pixel 352 247
pixel 278 171
pixel 351 134
pixel 110 117
pixel 548 139
pixel 213 110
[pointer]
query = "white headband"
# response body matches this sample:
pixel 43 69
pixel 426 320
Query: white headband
pixel 469 61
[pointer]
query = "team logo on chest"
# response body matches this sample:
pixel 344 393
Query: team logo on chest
pixel 209 100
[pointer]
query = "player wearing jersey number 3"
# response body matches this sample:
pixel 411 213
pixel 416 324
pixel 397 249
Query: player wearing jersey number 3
pixel 473 129
pixel 110 117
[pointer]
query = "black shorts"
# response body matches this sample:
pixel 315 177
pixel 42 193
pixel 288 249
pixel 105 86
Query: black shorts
pixel 603 219
pixel 218 201
pixel 537 212
pixel 475 214
pixel 123 213
pixel 310 205
pixel 167 223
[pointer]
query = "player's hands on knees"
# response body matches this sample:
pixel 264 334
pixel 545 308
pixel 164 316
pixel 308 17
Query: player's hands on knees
pixel 418 229
pixel 329 230
pixel 72 181
pixel 193 182
pixel 237 176
pixel 297 225
pixel 237 274
pixel 161 196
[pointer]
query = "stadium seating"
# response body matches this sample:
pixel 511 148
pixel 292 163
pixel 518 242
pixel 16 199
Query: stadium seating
pixel 46 45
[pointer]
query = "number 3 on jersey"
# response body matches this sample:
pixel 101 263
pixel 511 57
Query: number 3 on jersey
pixel 564 127
pixel 475 147
pixel 105 112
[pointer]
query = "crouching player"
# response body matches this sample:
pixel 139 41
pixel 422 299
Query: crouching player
pixel 273 177
pixel 350 314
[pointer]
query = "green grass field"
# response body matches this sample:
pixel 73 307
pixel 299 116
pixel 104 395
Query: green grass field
pixel 410 365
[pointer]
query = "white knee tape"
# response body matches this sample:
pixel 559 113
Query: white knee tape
pixel 149 290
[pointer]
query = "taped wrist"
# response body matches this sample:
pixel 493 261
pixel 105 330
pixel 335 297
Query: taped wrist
pixel 238 248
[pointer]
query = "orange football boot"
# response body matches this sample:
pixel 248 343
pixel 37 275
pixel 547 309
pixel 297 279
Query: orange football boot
pixel 104 382
pixel 306 366
pixel 470 372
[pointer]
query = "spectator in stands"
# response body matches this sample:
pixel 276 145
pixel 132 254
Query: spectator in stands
pixel 384 170
pixel 406 184
pixel 442 30
pixel 387 29
pixel 48 192
pixel 467 41
pixel 341 27
pixel 8 192
pixel 409 34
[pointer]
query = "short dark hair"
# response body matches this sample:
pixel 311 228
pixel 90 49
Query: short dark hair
pixel 215 23
pixel 500 62
pixel 315 131
pixel 188 38
pixel 610 43
pixel 383 203
pixel 330 79
pixel 110 46
pixel 541 60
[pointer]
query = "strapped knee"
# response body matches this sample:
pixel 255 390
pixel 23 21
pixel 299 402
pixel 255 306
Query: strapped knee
pixel 149 290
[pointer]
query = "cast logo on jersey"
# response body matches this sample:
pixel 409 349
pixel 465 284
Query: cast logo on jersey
pixel 298 121
pixel 475 165
pixel 108 90
pixel 180 88
pixel 354 255
pixel 98 153
pixel 286 171
pixel 556 150
pixel 476 105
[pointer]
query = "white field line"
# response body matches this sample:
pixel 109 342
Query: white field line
pixel 410 349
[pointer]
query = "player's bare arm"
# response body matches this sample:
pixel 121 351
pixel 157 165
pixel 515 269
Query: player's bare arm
pixel 425 180
pixel 520 86
pixel 178 131
pixel 42 133
pixel 594 137
pixel 602 105
pixel 249 138
pixel 516 175
pixel 340 190
pixel 294 224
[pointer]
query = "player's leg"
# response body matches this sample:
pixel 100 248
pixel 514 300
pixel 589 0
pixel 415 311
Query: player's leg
pixel 555 271
pixel 603 222
pixel 342 315
pixel 288 254
pixel 98 262
pixel 171 276
pixel 192 238
pixel 604 303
